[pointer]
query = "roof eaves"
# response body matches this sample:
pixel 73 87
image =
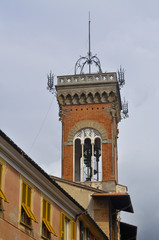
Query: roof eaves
pixel 117 198
pixel 78 184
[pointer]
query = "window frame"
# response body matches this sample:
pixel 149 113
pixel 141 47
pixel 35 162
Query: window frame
pixel 71 227
pixel 73 230
pixel 67 231
pixel 82 231
pixel 2 195
pixel 87 234
pixel 46 220
pixel 26 215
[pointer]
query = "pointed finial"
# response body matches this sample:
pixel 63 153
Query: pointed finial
pixel 89 59
pixel 89 44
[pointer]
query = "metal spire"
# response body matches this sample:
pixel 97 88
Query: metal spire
pixel 89 59
pixel 89 39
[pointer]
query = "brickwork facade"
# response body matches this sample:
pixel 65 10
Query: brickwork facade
pixel 89 101
pixel 99 117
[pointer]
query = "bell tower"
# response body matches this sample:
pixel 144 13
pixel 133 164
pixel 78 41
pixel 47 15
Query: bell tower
pixel 90 110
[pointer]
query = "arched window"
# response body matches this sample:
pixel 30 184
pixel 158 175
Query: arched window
pixel 87 155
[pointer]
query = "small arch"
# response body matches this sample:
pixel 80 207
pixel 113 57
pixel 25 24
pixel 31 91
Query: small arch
pixel 82 99
pixel 104 97
pixel 90 98
pixel 61 99
pixel 112 96
pixel 97 98
pixel 68 100
pixel 75 99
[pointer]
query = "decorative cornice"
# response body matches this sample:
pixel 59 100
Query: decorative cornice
pixel 89 89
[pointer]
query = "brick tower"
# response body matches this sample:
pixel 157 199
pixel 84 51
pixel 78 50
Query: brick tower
pixel 90 108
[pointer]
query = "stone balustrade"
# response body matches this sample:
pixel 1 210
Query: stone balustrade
pixel 86 78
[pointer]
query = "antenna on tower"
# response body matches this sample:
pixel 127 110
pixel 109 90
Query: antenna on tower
pixel 124 111
pixel 50 83
pixel 121 78
pixel 89 59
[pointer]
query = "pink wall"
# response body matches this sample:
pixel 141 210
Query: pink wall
pixel 10 227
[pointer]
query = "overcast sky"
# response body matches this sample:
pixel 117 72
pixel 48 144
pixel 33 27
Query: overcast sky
pixel 37 36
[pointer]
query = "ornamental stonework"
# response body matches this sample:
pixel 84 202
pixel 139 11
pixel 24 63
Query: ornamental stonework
pixel 89 89
pixel 87 124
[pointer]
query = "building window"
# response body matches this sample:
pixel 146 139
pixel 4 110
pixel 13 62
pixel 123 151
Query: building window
pixel 46 226
pixel 82 231
pixel 68 228
pixel 87 234
pixel 2 195
pixel 73 230
pixel 26 213
pixel 87 152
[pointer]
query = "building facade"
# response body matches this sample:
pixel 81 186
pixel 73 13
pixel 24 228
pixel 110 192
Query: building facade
pixel 34 206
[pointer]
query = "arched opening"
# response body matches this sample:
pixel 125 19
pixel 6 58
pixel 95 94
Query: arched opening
pixel 61 99
pixel 87 155
pixel 68 100
pixel 97 159
pixel 90 98
pixel 97 98
pixel 75 99
pixel 87 160
pixel 78 155
pixel 104 97
pixel 82 99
